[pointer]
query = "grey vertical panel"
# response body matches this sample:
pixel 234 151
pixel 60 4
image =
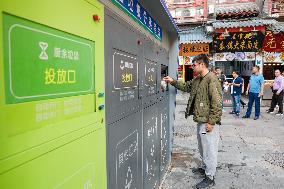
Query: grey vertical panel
pixel 122 69
pixel 136 158
pixel 159 57
pixel 165 136
pixel 124 153
pixel 151 147
pixel 123 106
pixel 150 72
pixel 165 151
pixel 141 68
pixel 163 62
pixel 173 65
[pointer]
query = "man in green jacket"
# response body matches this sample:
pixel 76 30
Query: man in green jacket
pixel 205 104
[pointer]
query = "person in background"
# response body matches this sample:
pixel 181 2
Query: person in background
pixel 243 90
pixel 255 91
pixel 277 89
pixel 204 104
pixel 213 70
pixel 236 92
pixel 222 79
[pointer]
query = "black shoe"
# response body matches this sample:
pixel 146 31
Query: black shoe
pixel 207 182
pixel 198 171
pixel 232 112
pixel 279 113
pixel 256 118
pixel 269 111
pixel 238 114
pixel 245 117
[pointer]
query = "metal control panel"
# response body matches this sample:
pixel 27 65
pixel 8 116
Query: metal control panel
pixel 138 140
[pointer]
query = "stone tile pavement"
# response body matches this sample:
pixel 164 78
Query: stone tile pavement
pixel 251 153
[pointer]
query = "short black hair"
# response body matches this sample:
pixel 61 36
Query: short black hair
pixel 257 67
pixel 203 58
pixel 217 68
pixel 237 72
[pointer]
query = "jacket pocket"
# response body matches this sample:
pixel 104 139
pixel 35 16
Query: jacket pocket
pixel 202 109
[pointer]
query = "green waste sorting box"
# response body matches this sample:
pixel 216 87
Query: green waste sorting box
pixel 52 124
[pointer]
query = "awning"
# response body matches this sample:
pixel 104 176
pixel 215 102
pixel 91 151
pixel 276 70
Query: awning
pixel 237 8
pixel 245 23
pixel 277 27
pixel 196 35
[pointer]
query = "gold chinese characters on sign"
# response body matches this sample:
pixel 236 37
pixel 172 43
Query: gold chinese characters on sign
pixel 273 42
pixel 238 42
pixel 194 49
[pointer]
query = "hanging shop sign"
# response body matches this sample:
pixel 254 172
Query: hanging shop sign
pixel 273 57
pixel 235 42
pixel 273 42
pixel 140 15
pixel 194 49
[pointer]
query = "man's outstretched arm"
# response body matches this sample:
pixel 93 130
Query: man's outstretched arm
pixel 180 85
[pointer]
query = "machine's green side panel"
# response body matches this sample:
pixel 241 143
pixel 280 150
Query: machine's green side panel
pixel 63 168
pixel 52 118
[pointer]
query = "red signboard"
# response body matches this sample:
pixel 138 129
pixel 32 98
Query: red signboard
pixel 273 42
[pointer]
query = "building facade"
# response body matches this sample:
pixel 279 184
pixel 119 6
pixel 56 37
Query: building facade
pixel 240 34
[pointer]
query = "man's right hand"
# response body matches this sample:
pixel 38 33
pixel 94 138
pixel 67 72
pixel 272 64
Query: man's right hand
pixel 247 92
pixel 168 79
